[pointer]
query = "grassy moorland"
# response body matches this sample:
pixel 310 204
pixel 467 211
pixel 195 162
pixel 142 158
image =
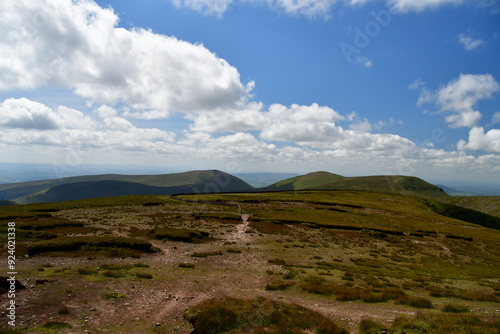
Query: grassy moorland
pixel 280 262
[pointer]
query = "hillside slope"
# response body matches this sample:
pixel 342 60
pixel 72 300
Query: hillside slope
pixel 118 185
pixel 404 185
pixel 486 204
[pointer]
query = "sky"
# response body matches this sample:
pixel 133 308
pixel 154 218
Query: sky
pixel 354 87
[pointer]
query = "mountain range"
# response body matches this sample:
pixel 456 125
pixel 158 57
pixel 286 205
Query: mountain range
pixel 206 181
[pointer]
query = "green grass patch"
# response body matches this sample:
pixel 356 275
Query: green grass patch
pixel 186 265
pixel 454 308
pixel 279 285
pixel 71 244
pixel 143 275
pixel 416 302
pixel 179 234
pixel 257 316
pixel 368 326
pixel 87 271
pixel 207 254
pixel 435 323
pixel 113 274
pixel 114 295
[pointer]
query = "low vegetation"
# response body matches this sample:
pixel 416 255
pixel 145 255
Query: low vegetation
pixel 179 234
pixel 361 258
pixel 69 244
pixel 257 316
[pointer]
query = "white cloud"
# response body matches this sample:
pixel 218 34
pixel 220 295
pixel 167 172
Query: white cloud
pixel 208 7
pixel 469 43
pixel 311 126
pixel 309 8
pixel 312 8
pixel 250 118
pixel 496 118
pixel 479 140
pixel 361 126
pixel 460 96
pixel 465 119
pixel 420 5
pixel 25 114
pixel 24 123
pixel 363 61
pixel 77 45
pixel 417 84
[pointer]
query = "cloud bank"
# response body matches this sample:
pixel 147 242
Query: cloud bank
pixel 77 45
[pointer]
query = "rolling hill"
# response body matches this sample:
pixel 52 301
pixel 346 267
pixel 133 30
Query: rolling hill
pixel 82 187
pixel 404 185
pixel 486 204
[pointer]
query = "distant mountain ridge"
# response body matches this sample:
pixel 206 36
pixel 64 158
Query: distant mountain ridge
pixel 203 181
pixel 404 185
pixel 81 187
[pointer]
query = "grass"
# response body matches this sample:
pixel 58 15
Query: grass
pixel 256 316
pixel 179 234
pixel 416 302
pixel 368 326
pixel 143 275
pixel 207 254
pixel 55 325
pixel 454 308
pixel 279 285
pixel 368 248
pixel 70 244
pixel 114 295
pixel 432 323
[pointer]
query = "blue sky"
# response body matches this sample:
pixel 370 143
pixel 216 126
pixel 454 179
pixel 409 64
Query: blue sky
pixel 355 87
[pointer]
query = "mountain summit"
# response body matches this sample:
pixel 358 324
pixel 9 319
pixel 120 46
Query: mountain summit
pixel 404 185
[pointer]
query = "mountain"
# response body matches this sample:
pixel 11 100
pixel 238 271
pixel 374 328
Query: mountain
pixel 405 185
pixel 81 187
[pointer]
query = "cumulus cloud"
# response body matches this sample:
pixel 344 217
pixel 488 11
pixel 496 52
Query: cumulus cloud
pixel 460 96
pixel 469 43
pixel 479 140
pixel 312 126
pixel 25 114
pixel 25 122
pixel 250 118
pixel 77 45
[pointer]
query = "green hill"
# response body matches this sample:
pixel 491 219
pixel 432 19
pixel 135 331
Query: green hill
pixel 486 204
pixel 404 185
pixel 92 186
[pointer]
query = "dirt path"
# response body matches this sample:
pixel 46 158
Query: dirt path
pixel 240 235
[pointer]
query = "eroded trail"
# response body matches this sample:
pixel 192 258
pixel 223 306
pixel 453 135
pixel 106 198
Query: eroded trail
pixel 240 235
